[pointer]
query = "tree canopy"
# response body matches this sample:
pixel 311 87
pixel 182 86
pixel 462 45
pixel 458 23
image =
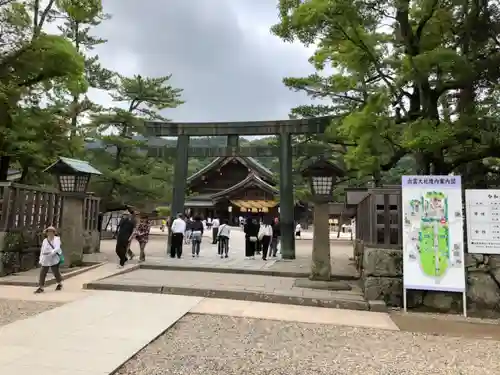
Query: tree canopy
pixel 403 78
pixel 411 86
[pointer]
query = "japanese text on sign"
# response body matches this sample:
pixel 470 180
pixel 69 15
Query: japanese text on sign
pixel 432 181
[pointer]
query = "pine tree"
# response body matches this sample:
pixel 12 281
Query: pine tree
pixel 130 176
pixel 77 27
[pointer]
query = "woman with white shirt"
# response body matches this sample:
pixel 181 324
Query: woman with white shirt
pixel 298 229
pixel 265 236
pixel 223 239
pixel 50 257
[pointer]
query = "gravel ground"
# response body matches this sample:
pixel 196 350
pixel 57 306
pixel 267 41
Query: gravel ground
pixel 212 345
pixel 12 310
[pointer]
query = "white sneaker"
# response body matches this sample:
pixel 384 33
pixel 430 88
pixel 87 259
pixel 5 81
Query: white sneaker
pixel 253 258
pixel 120 267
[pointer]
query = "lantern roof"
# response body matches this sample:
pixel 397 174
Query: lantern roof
pixel 320 166
pixel 71 166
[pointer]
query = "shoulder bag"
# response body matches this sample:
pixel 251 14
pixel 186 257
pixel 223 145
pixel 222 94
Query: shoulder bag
pixel 61 256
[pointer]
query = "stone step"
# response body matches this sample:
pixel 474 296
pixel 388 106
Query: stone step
pixel 232 286
pixel 244 271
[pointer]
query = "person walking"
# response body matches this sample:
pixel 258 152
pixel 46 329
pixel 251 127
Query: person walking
pixel 298 230
pixel 124 237
pixel 275 240
pixel 189 231
pixel 223 239
pixel 265 236
pixel 196 235
pixel 215 229
pixel 251 230
pixel 178 229
pixel 133 217
pixel 258 244
pixel 50 257
pixel 142 235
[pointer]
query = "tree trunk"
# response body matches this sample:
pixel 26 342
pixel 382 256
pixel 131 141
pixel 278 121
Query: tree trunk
pixel 4 167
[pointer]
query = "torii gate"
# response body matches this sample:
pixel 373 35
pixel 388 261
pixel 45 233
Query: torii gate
pixel 233 130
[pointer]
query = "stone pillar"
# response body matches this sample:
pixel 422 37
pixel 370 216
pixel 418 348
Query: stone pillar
pixel 321 267
pixel 180 177
pixel 287 222
pixel 72 238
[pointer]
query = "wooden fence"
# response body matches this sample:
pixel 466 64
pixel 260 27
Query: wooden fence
pixel 378 218
pixel 33 208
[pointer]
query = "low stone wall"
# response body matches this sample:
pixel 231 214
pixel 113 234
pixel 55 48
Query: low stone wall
pixel 382 279
pixel 92 242
pixel 19 251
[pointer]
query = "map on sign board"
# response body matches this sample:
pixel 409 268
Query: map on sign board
pixel 433 233
pixel 483 221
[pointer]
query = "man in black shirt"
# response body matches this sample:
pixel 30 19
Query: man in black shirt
pixel 124 237
pixel 276 237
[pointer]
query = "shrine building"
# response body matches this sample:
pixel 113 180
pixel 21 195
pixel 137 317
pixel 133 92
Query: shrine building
pixel 233 186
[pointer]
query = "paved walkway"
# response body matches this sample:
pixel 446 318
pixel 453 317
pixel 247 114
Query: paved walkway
pixel 73 287
pixel 96 332
pixel 341 251
pixel 91 336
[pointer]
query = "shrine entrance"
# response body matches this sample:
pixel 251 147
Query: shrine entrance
pixel 233 130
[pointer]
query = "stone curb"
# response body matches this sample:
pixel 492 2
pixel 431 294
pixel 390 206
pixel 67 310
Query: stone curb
pixel 233 294
pixel 378 306
pixel 52 281
pixel 240 271
pixel 118 272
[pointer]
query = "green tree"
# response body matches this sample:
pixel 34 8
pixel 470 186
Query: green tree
pixel 129 175
pixel 415 78
pixel 31 59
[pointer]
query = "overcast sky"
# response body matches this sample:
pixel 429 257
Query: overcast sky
pixel 219 51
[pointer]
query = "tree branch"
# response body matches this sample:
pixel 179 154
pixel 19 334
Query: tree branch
pixel 424 20
pixel 394 159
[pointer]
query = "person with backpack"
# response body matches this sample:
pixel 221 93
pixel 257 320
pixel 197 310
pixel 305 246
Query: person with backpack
pixel 51 257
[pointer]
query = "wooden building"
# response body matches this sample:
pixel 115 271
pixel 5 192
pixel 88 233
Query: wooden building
pixel 230 187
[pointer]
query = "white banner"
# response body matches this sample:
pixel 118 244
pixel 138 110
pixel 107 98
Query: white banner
pixel 433 248
pixel 483 221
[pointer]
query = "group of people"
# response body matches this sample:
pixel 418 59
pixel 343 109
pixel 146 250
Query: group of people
pixel 261 238
pixel 190 230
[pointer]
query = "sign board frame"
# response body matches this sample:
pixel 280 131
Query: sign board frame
pixel 433 246
pixel 482 212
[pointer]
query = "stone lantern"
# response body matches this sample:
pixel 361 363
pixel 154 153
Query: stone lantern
pixel 322 176
pixel 73 177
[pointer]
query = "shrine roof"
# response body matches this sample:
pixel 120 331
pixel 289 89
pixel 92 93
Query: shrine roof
pixel 218 162
pixel 251 180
